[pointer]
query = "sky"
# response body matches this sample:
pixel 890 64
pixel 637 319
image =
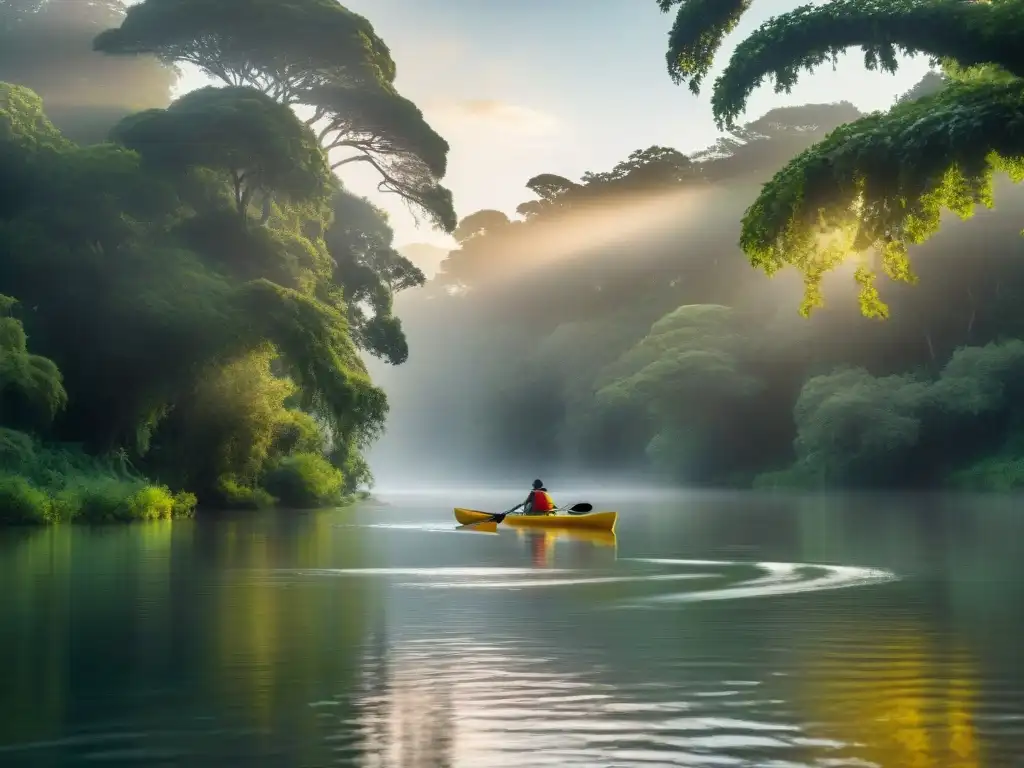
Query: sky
pixel 521 87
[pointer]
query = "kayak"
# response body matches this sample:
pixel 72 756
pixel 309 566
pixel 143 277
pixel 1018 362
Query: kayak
pixel 594 521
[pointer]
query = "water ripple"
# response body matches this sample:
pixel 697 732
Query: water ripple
pixel 775 579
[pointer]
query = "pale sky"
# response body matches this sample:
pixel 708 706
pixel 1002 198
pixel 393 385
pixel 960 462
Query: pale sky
pixel 521 87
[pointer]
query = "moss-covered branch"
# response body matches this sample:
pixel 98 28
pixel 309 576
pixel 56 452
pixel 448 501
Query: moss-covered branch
pixel 970 33
pixel 883 181
pixel 697 34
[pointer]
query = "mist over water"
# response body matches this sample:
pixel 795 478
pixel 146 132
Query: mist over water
pixel 499 378
pixel 468 354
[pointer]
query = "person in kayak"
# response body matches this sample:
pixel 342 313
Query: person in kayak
pixel 538 502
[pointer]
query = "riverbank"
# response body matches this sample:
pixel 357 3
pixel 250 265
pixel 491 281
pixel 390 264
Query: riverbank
pixel 44 484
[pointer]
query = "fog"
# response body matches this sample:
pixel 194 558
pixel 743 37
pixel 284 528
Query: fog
pixel 611 334
pixel 464 349
pixel 508 366
pixel 84 92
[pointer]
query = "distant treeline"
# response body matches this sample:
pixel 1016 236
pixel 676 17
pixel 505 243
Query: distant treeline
pixel 614 327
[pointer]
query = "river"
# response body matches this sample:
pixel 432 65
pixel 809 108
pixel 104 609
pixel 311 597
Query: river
pixel 716 629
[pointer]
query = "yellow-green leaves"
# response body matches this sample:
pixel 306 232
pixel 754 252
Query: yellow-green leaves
pixel 879 185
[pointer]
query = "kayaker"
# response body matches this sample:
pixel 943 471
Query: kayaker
pixel 538 502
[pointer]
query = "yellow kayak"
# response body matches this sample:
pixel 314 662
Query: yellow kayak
pixel 593 521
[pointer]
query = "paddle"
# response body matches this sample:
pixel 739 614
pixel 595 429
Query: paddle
pixel 576 509
pixel 580 509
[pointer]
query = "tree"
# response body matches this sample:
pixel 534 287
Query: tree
pixel 759 148
pixel 31 387
pixel 46 45
pixel 314 54
pixel 370 272
pixel 483 223
pixel 879 184
pixel 257 143
pixel 123 269
pixel 479 236
pixel 686 382
pixel 646 169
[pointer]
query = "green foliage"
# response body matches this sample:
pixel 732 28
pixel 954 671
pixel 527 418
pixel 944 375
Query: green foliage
pixel 370 272
pixel 109 503
pixel 318 352
pixel 31 387
pixel 231 494
pixel 995 473
pixel 354 467
pixel 697 34
pixel 646 169
pixel 227 426
pixel 21 504
pixel 687 378
pixel 243 40
pixel 201 345
pixel 377 126
pixel 969 33
pixel 931 83
pixel 257 143
pixel 311 53
pixel 854 429
pixel 305 480
pixel 488 222
pixel 60 483
pixel 880 183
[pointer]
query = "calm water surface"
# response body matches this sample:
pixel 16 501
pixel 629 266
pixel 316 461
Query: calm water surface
pixel 717 630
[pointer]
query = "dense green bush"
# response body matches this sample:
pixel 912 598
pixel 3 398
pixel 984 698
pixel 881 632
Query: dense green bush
pixel 305 480
pixel 49 484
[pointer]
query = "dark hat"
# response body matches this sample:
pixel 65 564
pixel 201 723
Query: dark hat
pixel 538 483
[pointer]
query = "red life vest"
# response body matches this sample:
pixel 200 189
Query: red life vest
pixel 541 501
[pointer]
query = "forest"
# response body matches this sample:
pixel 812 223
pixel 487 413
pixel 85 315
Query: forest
pixel 194 310
pixel 187 288
pixel 614 325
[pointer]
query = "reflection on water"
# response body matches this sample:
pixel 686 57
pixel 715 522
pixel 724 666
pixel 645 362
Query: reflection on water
pixel 714 630
pixel 917 707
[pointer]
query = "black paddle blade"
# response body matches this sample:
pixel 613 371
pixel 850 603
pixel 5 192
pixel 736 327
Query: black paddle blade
pixel 580 509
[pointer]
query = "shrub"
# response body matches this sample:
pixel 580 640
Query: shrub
pixel 305 480
pixel 21 503
pixel 235 495
pixel 996 473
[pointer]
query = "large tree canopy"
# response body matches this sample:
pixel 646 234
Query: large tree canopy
pixel 255 141
pixel 163 289
pixel 878 184
pixel 304 53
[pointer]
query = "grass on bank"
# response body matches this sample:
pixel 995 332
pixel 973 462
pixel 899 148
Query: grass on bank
pixel 42 484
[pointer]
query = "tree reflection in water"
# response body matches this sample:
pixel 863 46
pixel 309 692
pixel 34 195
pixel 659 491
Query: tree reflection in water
pixel 899 700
